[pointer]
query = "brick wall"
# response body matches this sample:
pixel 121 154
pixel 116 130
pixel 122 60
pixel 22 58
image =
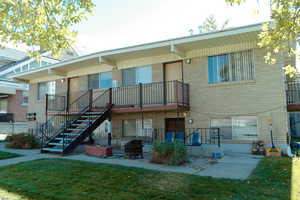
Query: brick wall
pixel 15 106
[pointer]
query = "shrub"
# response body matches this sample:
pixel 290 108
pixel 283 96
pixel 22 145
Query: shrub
pixel 169 153
pixel 22 141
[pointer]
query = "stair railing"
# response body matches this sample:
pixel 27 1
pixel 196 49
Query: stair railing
pixel 101 103
pixel 56 123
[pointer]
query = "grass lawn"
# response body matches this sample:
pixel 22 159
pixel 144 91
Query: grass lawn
pixel 66 179
pixel 295 139
pixel 6 155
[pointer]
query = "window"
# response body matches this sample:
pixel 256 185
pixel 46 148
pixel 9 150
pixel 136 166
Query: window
pixel 3 105
pixel 231 67
pixel 239 128
pixel 133 127
pixel 45 88
pixel 137 75
pixel 101 80
pixel 24 97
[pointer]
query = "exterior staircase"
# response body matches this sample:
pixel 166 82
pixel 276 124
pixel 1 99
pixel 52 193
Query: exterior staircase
pixel 65 130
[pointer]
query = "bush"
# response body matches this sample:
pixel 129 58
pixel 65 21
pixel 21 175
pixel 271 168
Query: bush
pixel 22 141
pixel 169 153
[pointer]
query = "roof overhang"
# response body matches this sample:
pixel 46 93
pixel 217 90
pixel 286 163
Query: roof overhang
pixel 179 47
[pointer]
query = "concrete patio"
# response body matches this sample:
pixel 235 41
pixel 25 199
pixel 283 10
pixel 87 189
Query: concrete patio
pixel 234 164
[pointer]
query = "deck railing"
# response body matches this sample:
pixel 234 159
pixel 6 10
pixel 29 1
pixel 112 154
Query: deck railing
pixel 149 94
pixel 293 92
pixel 157 93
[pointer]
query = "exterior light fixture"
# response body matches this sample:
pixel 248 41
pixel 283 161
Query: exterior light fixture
pixel 188 61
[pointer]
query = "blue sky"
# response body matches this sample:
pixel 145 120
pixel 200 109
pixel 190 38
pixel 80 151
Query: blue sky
pixel 119 23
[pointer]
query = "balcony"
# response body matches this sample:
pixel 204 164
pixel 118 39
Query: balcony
pixel 157 96
pixel 293 95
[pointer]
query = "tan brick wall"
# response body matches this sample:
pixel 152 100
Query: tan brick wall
pixel 158 119
pixel 263 97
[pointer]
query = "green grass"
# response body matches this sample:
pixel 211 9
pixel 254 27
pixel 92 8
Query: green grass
pixel 295 139
pixel 7 155
pixel 65 179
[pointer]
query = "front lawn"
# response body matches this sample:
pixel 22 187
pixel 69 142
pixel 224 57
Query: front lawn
pixel 66 179
pixel 6 155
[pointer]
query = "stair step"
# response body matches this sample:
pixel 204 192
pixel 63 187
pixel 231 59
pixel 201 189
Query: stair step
pixel 53 149
pixel 70 134
pixel 93 113
pixel 88 116
pixel 57 143
pixel 75 129
pixel 60 138
pixel 81 125
pixel 84 120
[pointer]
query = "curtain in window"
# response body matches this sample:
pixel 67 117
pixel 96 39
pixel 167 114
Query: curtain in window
pixel 3 105
pixel 46 88
pixel 93 81
pixel 143 74
pixel 133 127
pixel 239 128
pixel 137 75
pixel 236 66
pixel 129 77
pixel 106 80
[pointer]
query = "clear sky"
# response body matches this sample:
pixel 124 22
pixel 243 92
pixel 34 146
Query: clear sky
pixel 120 23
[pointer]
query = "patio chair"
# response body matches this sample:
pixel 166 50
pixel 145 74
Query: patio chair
pixel 169 137
pixel 196 139
pixel 180 137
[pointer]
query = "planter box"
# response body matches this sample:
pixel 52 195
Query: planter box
pixel 159 159
pixel 99 151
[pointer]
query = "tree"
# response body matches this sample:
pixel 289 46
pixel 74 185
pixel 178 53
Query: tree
pixel 42 24
pixel 210 24
pixel 279 35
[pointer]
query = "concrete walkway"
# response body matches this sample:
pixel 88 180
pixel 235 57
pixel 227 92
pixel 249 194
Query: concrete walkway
pixel 232 165
pixel 28 155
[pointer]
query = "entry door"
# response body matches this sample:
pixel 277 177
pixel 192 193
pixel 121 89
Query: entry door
pixel 173 92
pixel 175 125
pixel 74 85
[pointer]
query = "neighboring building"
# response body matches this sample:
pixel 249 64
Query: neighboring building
pixel 14 94
pixel 211 80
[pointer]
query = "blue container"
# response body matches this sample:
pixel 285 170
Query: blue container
pixel 216 155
